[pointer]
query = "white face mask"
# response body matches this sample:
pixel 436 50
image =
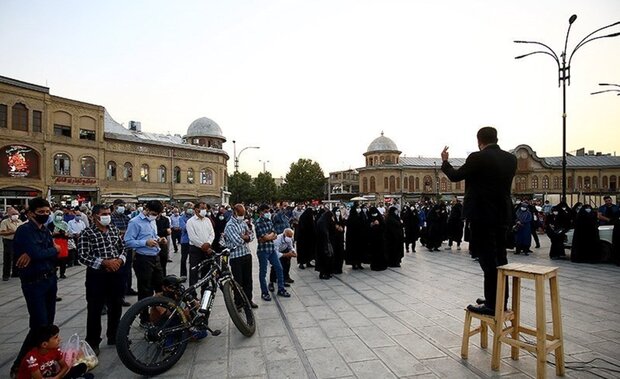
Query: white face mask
pixel 588 210
pixel 524 209
pixel 189 212
pixel 337 214
pixel 58 218
pixel 358 210
pixel 120 209
pixel 555 213
pixel 14 217
pixel 203 212
pixel 240 218
pixel 209 214
pixel 140 209
pixel 267 216
pixel 221 217
pixel 288 240
pixel 105 220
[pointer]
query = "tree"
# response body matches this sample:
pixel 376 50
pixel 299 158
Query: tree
pixel 265 190
pixel 304 181
pixel 241 187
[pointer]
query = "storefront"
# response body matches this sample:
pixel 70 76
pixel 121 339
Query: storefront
pixel 70 191
pixel 17 196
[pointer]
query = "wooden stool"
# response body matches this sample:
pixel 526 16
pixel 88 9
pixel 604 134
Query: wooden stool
pixel 485 323
pixel 545 343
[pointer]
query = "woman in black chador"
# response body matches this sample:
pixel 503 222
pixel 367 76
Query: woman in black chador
pixel 557 224
pixel 356 238
pixel 393 238
pixel 455 225
pixel 338 240
pixel 306 239
pixel 586 243
pixel 437 221
pixel 325 231
pixel 378 261
pixel 411 222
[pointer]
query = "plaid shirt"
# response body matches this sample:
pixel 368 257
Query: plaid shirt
pixel 120 220
pixel 264 227
pixel 94 246
pixel 232 237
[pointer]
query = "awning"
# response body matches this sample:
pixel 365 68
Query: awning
pixel 149 198
pixel 114 196
pixel 75 189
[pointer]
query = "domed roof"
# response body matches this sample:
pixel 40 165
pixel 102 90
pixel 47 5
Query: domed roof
pixel 204 127
pixel 382 143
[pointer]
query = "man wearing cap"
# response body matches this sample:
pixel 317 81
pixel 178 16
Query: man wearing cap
pixel 267 253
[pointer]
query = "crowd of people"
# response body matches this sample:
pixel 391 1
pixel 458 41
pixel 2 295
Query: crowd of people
pixel 42 242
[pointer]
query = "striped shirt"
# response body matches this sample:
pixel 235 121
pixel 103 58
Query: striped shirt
pixel 94 246
pixel 264 227
pixel 232 237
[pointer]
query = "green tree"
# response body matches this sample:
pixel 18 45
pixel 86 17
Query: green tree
pixel 241 187
pixel 304 181
pixel 265 190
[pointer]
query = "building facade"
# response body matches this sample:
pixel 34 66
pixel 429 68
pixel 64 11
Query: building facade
pixel 388 176
pixel 343 185
pixel 73 152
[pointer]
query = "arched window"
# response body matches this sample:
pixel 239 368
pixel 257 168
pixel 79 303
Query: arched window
pixel 443 185
pixel 571 183
pixel 190 176
pixel 144 173
pixel 392 184
pixel 177 175
pixel 458 186
pixel 411 183
pixel 579 182
pixel 62 165
pixel 545 182
pixel 20 117
pixel 428 184
pixel 534 182
pixel 161 174
pixel 370 161
pixel 386 183
pixel 206 176
pixel 595 182
pixel 372 184
pixel 417 184
pixel 587 184
pixel 521 183
pixel 405 183
pixel 87 167
pixel 110 172
pixel 612 183
pixel 605 184
pixel 364 185
pixel 127 172
pixel 556 182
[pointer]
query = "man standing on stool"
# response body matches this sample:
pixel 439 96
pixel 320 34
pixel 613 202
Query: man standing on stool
pixel 487 206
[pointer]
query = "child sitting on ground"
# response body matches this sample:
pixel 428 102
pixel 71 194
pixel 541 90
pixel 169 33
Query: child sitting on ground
pixel 45 359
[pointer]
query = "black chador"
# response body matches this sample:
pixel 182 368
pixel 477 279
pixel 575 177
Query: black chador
pixel 356 238
pixel 378 260
pixel 338 240
pixel 306 238
pixel 557 224
pixel 586 243
pixel 325 230
pixel 411 222
pixel 393 238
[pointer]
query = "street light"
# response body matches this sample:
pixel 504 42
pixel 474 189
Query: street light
pixel 608 90
pixel 238 155
pixel 564 75
pixel 264 163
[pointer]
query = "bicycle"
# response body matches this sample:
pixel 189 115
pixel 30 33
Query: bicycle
pixel 153 334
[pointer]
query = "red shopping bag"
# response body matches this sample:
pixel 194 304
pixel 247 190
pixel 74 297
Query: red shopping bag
pixel 64 247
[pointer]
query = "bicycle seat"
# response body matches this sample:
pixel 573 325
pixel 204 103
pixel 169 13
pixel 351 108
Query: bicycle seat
pixel 173 280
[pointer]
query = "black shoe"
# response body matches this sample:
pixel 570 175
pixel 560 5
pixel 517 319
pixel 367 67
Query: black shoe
pixel 265 296
pixel 104 311
pixel 481 309
pixel 169 260
pixel 301 266
pixel 360 267
pixel 96 350
pixel 253 305
pixel 125 303
pixel 283 293
pixel 63 276
pixel 131 292
pixel 289 280
pixel 5 278
pixel 310 265
pixel 111 341
pixel 58 299
pixel 538 246
pixel 480 300
pixel 286 285
pixel 271 287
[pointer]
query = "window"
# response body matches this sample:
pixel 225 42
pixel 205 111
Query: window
pixel 556 182
pixel 3 116
pixel 579 182
pixel 443 185
pixel 545 182
pixel 521 183
pixel 392 184
pixel 534 182
pixel 385 184
pixel 62 130
pixel 110 172
pixel 364 185
pixel 612 183
pixel 417 184
pixel 595 182
pixel 605 183
pixel 190 176
pixel 161 174
pixel 20 117
pixel 571 183
pixel 127 172
pixel 206 176
pixel 86 134
pixel 144 173
pixel 411 183
pixel 457 186
pixel 405 183
pixel 177 175
pixel 37 121
pixel 87 167
pixel 373 186
pixel 62 165
pixel 586 183
pixel 428 184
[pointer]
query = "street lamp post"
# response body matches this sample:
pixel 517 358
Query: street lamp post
pixel 608 90
pixel 264 165
pixel 564 76
pixel 238 155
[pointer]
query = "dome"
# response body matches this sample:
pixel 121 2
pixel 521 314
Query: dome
pixel 204 127
pixel 382 143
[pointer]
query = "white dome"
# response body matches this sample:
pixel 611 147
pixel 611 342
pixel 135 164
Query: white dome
pixel 382 143
pixel 204 127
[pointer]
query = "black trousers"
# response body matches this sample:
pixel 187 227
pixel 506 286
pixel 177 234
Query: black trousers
pixel 196 255
pixel 286 269
pixel 241 269
pixel 129 275
pixel 149 274
pixel 103 288
pixel 184 255
pixel 164 253
pixel 8 266
pixel 490 247
pixel 176 239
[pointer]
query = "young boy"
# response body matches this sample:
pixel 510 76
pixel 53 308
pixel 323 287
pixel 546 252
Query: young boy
pixel 46 361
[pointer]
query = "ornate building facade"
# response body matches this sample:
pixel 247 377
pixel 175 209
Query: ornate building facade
pixel 72 152
pixel 388 176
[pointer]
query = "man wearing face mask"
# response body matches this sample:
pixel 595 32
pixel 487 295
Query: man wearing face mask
pixel 237 236
pixel 8 226
pixel 200 233
pixel 283 245
pixel 142 236
pixel 219 223
pixel 188 212
pixel 267 254
pixel 76 226
pixel 487 205
pixel 34 253
pixel 120 220
pixel 102 250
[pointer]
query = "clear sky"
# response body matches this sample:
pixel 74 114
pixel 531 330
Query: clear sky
pixel 320 79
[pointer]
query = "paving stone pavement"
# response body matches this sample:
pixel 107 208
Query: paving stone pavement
pixel 400 323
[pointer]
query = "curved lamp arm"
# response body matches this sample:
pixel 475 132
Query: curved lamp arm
pixel 553 54
pixel 586 40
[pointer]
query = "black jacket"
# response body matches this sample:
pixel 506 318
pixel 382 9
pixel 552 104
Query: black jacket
pixel 488 178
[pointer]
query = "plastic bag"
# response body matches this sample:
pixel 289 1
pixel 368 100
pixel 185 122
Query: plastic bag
pixel 87 355
pixel 71 349
pixel 64 247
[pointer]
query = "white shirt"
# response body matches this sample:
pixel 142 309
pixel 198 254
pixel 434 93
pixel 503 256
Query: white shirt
pixel 76 227
pixel 199 231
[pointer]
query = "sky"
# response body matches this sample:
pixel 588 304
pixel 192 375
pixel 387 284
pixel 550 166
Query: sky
pixel 322 79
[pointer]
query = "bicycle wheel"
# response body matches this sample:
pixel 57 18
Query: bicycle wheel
pixel 241 314
pixel 152 335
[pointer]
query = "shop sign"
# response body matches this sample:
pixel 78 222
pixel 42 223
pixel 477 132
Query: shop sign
pixel 71 180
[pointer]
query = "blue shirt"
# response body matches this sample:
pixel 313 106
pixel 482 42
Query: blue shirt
pixel 183 225
pixel 140 230
pixel 39 245
pixel 264 227
pixel 233 231
pixel 174 221
pixel 280 222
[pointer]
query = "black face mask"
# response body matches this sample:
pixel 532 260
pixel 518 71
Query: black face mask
pixel 41 219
